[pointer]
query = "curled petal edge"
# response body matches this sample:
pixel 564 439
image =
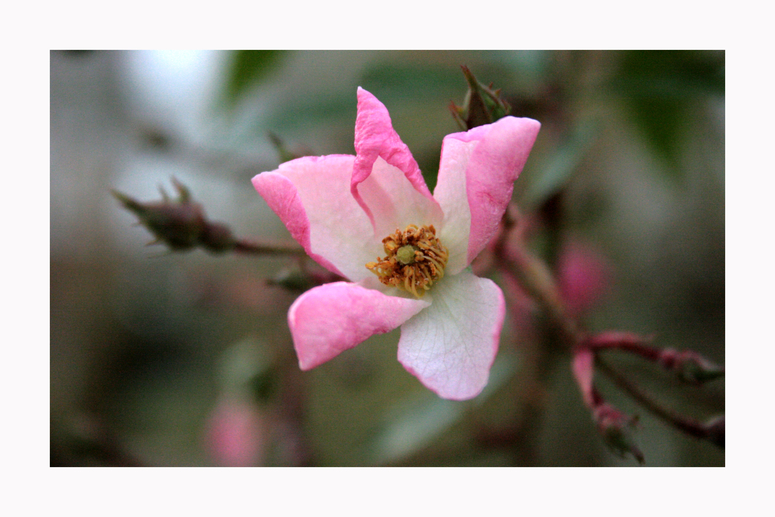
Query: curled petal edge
pixel 376 139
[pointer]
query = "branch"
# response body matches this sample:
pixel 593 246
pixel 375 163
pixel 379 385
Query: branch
pixel 712 431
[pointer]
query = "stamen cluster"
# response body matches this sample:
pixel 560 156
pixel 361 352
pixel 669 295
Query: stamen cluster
pixel 415 260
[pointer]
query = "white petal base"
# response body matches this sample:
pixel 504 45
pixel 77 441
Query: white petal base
pixel 451 345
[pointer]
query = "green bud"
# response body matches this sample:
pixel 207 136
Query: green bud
pixel 180 223
pixel 482 104
pixel 696 370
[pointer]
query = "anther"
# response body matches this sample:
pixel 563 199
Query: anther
pixel 415 260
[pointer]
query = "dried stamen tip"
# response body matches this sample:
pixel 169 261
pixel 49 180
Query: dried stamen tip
pixel 415 260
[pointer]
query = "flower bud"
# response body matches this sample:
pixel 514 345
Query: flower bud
pixel 617 430
pixel 482 104
pixel 690 366
pixel 583 277
pixel 180 224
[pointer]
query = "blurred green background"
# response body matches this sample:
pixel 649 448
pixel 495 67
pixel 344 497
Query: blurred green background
pixel 185 359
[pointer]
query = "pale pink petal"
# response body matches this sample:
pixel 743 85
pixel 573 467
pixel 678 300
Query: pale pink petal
pixel 312 197
pixel 451 345
pixel 476 179
pixel 329 319
pixel 386 180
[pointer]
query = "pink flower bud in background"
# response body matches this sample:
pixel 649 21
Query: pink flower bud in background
pixel 235 434
pixel 584 277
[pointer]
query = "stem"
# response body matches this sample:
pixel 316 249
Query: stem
pixel 265 248
pixel 514 260
pixel 690 366
pixel 685 424
pixel 534 277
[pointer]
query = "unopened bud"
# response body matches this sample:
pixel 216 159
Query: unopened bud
pixel 217 238
pixel 180 224
pixel 617 430
pixel 690 366
pixel 583 367
pixel 482 104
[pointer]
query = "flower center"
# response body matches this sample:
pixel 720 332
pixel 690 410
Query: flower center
pixel 415 260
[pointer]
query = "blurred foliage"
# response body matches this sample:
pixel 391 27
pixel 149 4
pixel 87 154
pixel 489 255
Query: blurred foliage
pixel 425 82
pixel 660 88
pixel 246 70
pixel 559 169
pixel 142 350
pixel 414 423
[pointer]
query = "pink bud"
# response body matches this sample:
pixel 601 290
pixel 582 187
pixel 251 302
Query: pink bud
pixel 235 434
pixel 583 277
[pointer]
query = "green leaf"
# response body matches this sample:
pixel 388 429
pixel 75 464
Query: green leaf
pixel 248 68
pixel 398 81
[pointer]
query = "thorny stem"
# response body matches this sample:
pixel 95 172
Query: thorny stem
pixel 514 260
pixel 688 365
pixel 686 424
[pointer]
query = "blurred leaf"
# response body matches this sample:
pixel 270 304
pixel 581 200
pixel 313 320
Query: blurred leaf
pixel 247 68
pixel 399 81
pixel 553 177
pixel 529 68
pixel 244 365
pixel 314 112
pixel 671 74
pixel 660 88
pixel 414 423
pixel 662 123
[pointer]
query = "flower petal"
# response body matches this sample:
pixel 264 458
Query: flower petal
pixel 329 319
pixel 476 177
pixel 312 197
pixel 451 345
pixel 386 180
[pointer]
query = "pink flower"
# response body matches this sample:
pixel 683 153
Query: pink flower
pixel 371 219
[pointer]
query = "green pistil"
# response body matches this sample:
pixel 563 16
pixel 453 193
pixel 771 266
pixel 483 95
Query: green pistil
pixel 405 254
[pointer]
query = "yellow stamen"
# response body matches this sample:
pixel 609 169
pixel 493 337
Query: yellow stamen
pixel 415 260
